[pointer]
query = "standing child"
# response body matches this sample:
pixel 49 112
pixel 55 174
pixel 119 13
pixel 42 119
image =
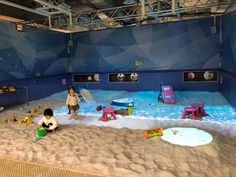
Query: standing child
pixel 48 121
pixel 72 101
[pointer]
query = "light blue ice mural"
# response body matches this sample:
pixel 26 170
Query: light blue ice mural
pixel 167 46
pixel 32 53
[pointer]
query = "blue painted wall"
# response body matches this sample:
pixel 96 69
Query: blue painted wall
pixel 151 81
pixel 38 88
pixel 228 87
pixel 228 49
pixel 167 46
pixel 165 50
pixel 31 53
pixel 25 55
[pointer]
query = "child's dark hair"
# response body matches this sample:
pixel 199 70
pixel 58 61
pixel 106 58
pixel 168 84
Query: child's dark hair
pixel 72 87
pixel 48 112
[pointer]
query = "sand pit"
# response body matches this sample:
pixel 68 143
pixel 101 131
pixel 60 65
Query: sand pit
pixel 118 152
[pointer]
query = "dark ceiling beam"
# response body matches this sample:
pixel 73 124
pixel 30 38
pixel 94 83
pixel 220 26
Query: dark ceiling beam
pixel 22 7
pixel 19 13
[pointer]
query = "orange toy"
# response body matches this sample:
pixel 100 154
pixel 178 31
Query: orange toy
pixel 153 133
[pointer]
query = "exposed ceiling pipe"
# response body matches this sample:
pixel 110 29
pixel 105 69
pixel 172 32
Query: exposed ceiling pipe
pixel 23 8
pixel 106 20
pixel 147 11
pixel 62 10
pixel 44 11
pixel 65 10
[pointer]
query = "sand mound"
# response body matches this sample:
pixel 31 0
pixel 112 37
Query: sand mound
pixel 118 152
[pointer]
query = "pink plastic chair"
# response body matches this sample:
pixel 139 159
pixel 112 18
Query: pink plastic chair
pixel 107 111
pixel 200 108
pixel 189 110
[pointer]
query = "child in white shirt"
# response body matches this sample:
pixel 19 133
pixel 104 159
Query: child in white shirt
pixel 48 121
pixel 72 100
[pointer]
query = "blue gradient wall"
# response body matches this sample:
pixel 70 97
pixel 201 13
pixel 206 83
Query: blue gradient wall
pixel 32 58
pixel 35 59
pixel 228 87
pixel 31 53
pixel 168 46
pixel 229 42
pixel 228 49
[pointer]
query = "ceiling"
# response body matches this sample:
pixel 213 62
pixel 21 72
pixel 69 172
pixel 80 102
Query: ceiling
pixel 84 15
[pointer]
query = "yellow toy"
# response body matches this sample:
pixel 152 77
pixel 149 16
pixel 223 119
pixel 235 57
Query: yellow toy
pixel 37 111
pixel 19 121
pixel 28 120
pixel 11 89
pixel 34 111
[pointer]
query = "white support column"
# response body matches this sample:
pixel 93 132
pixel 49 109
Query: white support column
pixel 158 5
pixel 143 9
pixel 174 6
pixel 49 22
pixel 70 18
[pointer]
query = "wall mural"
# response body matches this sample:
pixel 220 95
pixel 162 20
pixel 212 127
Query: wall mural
pixel 167 46
pixel 229 42
pixel 30 54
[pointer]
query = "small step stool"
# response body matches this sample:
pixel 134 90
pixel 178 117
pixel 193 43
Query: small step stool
pixel 107 111
pixel 189 110
pixel 200 108
pixel 197 110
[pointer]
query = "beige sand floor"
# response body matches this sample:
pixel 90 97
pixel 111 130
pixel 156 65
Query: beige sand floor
pixel 118 152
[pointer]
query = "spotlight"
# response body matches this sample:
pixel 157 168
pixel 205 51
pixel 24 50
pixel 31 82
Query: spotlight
pixel 19 27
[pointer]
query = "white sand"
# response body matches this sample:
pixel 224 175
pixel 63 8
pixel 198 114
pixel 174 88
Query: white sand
pixel 117 152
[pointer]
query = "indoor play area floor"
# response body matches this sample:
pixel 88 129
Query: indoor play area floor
pixel 148 113
pixel 119 147
pixel 146 105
